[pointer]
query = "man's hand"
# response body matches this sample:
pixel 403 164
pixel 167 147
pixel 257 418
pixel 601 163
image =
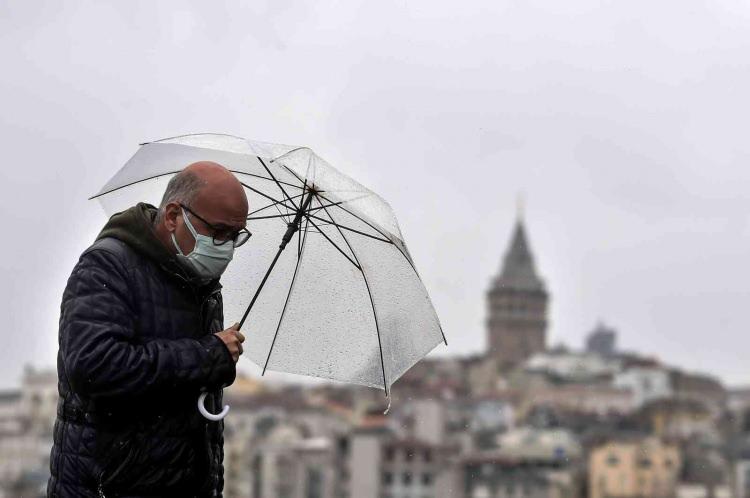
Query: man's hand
pixel 233 339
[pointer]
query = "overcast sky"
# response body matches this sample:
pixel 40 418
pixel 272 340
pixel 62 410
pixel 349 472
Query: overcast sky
pixel 623 124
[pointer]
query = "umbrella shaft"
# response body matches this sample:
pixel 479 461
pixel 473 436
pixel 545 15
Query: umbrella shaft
pixel 294 225
pixel 291 228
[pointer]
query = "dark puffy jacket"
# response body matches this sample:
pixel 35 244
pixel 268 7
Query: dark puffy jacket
pixel 136 348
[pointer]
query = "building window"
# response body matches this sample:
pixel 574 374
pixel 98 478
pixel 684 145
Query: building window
pixel 314 483
pixel 256 470
pixel 612 460
pixel 426 479
pixel 644 463
pixel 387 478
pixel 343 444
pixel 406 478
pixel 427 456
pixel 409 455
pixel 389 453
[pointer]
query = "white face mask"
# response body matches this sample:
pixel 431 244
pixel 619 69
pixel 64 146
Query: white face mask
pixel 206 259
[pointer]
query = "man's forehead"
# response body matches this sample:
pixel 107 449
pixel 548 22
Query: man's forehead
pixel 223 208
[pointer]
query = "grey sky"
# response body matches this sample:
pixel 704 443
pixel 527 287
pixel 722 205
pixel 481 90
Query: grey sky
pixel 623 124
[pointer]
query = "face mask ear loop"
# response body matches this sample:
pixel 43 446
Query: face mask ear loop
pixel 174 241
pixel 190 227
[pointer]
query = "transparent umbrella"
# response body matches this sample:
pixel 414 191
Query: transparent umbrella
pixel 327 285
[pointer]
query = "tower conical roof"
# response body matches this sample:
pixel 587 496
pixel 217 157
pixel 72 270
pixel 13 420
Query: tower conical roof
pixel 518 270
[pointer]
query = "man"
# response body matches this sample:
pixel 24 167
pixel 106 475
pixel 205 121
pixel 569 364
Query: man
pixel 141 337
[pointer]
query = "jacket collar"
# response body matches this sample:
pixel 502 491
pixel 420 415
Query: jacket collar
pixel 135 227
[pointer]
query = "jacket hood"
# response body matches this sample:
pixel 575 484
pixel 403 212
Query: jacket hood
pixel 135 227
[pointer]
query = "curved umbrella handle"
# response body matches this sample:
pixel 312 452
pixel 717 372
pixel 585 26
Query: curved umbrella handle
pixel 211 416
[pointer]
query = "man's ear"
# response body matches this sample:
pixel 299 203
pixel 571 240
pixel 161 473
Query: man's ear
pixel 171 212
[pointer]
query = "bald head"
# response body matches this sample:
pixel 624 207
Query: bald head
pixel 213 175
pixel 212 192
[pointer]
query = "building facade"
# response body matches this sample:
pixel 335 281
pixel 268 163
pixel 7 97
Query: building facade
pixel 632 467
pixel 516 306
pixel 646 383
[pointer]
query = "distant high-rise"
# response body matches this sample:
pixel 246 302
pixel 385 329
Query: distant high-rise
pixel 516 306
pixel 602 340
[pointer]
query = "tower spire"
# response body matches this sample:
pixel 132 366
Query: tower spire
pixel 518 270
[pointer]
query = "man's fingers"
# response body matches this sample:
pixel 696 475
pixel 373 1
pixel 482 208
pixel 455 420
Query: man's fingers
pixel 232 339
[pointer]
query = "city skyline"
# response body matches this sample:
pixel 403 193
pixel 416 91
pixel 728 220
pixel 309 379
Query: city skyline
pixel 621 123
pixel 518 267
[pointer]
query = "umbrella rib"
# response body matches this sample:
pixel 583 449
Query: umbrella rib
pixel 289 152
pixel 132 183
pixel 278 184
pixel 379 231
pixel 387 241
pixel 289 169
pixel 286 302
pixel 372 301
pixel 272 205
pixel 282 215
pixel 333 243
pixel 249 218
pixel 408 260
pixel 277 202
pixel 377 329
pixel 318 191
pixel 359 218
pixel 327 205
pixel 174 172
pixel 324 224
pixel 264 178
pixel 337 203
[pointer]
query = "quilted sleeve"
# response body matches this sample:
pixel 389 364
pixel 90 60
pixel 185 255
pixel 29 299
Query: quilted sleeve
pixel 96 332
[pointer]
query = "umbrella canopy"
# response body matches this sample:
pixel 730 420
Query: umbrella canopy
pixel 344 300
